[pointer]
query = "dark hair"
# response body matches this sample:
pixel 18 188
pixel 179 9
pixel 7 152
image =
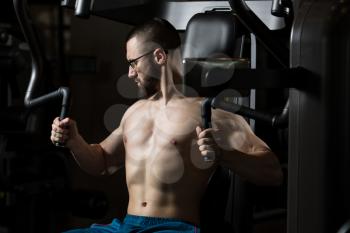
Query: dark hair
pixel 159 31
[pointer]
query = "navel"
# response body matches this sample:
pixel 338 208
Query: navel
pixel 144 204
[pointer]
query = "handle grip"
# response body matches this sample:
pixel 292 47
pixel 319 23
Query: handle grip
pixel 65 93
pixel 206 120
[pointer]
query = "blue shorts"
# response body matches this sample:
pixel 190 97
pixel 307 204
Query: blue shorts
pixel 141 224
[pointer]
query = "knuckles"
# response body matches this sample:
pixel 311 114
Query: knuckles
pixel 60 130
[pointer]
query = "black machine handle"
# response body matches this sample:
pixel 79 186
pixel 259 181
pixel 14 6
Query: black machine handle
pixel 206 119
pixel 206 113
pixel 82 8
pixel 37 55
pixel 279 121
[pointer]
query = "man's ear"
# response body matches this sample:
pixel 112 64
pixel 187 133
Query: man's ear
pixel 160 56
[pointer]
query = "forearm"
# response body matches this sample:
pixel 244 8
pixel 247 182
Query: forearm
pixel 259 167
pixel 90 157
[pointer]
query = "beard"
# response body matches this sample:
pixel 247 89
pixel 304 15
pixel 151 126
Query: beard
pixel 150 83
pixel 148 87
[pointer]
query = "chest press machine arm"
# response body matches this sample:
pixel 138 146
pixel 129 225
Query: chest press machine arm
pixel 37 57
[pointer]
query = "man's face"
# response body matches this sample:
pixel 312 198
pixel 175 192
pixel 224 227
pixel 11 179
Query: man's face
pixel 142 68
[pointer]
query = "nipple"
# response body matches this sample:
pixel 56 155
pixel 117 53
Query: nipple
pixel 173 141
pixel 144 204
pixel 125 140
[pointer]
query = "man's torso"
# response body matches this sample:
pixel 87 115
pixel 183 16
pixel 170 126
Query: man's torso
pixel 166 175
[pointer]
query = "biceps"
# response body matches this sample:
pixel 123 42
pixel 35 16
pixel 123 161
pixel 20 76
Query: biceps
pixel 113 147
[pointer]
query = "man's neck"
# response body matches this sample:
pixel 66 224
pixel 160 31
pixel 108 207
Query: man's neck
pixel 168 90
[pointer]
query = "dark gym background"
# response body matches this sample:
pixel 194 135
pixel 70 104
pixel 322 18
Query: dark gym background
pixel 42 189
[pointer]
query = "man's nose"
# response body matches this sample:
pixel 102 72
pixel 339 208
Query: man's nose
pixel 132 72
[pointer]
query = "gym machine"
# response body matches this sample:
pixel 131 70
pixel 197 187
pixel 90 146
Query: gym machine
pixel 311 63
pixel 315 72
pixel 242 78
pixel 35 193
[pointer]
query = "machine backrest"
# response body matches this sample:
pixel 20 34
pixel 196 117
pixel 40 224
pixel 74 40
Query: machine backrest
pixel 212 35
pixel 217 35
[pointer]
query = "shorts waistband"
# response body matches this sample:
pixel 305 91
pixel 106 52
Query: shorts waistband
pixel 146 220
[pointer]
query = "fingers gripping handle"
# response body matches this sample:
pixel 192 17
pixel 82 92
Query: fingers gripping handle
pixel 206 119
pixel 65 93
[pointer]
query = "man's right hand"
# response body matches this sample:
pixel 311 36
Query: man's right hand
pixel 64 131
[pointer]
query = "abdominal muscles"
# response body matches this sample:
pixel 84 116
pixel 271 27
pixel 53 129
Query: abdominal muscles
pixel 164 173
pixel 160 172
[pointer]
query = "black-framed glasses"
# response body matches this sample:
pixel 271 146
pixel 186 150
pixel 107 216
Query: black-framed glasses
pixel 133 62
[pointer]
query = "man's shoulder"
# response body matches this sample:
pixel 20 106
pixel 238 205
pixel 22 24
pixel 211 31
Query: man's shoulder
pixel 229 120
pixel 137 106
pixel 139 103
pixel 224 115
pixel 192 100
